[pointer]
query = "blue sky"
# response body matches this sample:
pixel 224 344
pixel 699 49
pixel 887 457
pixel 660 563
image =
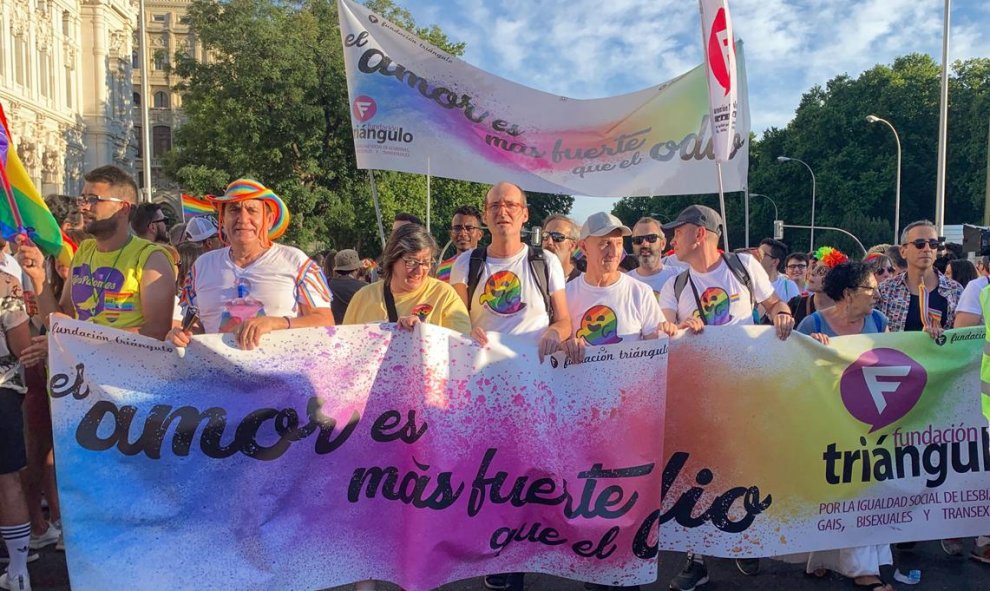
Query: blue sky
pixel 595 48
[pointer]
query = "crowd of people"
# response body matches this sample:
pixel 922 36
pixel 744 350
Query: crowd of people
pixel 229 274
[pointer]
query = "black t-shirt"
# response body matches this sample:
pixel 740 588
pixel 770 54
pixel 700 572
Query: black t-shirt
pixel 343 289
pixel 938 307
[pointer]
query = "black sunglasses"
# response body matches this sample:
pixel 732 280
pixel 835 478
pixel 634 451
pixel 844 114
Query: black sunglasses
pixel 885 270
pixel 921 242
pixel 556 236
pixel 651 238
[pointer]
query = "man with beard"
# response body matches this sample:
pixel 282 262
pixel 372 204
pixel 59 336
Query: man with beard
pixel 465 233
pixel 116 279
pixel 648 243
pixel 559 236
pixel 149 223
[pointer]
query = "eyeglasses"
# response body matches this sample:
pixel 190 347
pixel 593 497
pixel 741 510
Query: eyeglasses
pixel 457 229
pixel 867 288
pixel 91 199
pixel 797 267
pixel 921 242
pixel 510 206
pixel 649 238
pixel 820 271
pixel 161 221
pixel 556 236
pixel 884 271
pixel 414 264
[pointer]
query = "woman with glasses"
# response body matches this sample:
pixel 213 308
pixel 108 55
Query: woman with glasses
pixel 824 260
pixel 255 285
pixel 853 288
pixel 881 266
pixel 407 294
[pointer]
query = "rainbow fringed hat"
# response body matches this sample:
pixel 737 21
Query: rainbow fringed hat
pixel 244 189
pixel 830 257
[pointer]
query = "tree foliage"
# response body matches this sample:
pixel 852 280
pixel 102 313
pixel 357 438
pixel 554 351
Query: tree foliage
pixel 855 162
pixel 271 102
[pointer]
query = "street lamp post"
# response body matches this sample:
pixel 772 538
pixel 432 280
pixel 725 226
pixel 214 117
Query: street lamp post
pixel 811 247
pixel 897 192
pixel 776 215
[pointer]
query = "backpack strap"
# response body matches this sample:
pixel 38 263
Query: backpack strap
pixel 682 281
pixel 393 314
pixel 478 257
pixel 538 266
pixel 742 274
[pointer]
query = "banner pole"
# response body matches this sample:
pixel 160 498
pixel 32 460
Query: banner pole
pixel 746 212
pixel 721 203
pixel 378 207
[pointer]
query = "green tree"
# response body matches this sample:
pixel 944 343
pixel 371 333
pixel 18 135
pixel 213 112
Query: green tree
pixel 271 102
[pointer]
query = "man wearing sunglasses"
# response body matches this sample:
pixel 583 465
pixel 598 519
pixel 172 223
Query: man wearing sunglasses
pixel 149 223
pixel 921 298
pixel 648 242
pixel 559 237
pixel 117 279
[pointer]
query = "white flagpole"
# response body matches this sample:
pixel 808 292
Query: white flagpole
pixel 378 207
pixel 721 204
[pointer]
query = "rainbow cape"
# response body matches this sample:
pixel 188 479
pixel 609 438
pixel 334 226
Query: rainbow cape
pixel 193 206
pixel 443 270
pixel 22 210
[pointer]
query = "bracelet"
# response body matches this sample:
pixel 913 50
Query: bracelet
pixel 288 322
pixel 784 314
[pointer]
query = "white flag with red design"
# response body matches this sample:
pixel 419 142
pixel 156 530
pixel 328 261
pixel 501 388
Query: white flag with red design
pixel 720 56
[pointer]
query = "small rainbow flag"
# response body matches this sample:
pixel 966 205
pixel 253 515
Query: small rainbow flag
pixel 193 206
pixel 443 270
pixel 22 210
pixel 69 248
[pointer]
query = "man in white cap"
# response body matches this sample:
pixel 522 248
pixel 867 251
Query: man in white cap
pixel 204 230
pixel 607 306
pixel 717 290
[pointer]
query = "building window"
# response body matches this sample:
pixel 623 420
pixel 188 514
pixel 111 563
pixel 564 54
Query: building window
pixel 160 18
pixel 161 60
pixel 184 19
pixel 19 57
pixel 161 100
pixel 136 60
pixel 161 140
pixel 137 99
pixel 140 140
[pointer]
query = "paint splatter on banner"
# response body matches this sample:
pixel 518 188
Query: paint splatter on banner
pixel 417 458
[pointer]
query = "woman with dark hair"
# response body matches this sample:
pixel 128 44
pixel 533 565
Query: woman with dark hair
pixel 853 288
pixel 407 294
pixel 882 267
pixel 961 271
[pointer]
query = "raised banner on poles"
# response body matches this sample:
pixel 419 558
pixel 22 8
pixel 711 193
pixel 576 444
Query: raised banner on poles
pixel 415 108
pixel 723 80
pixel 331 456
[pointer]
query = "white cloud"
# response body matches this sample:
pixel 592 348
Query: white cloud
pixel 590 48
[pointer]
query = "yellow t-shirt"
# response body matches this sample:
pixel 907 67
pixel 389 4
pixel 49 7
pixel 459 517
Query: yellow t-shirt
pixel 435 302
pixel 106 286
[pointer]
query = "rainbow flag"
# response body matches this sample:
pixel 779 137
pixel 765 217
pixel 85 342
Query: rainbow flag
pixel 22 210
pixel 193 206
pixel 443 270
pixel 69 248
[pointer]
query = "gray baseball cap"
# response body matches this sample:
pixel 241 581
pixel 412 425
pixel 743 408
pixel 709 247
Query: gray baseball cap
pixel 699 215
pixel 602 223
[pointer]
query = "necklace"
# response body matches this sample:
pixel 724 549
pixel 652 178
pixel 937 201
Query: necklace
pixel 103 284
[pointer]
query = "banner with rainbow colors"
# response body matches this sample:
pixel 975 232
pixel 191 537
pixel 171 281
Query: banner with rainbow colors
pixel 415 108
pixel 421 458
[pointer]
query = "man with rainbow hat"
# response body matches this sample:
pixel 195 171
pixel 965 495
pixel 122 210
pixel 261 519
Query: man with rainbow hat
pixel 254 285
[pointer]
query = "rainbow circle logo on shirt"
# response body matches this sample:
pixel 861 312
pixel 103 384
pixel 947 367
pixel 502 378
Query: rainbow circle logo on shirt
pixel 423 311
pixel 503 293
pixel 715 306
pixel 599 326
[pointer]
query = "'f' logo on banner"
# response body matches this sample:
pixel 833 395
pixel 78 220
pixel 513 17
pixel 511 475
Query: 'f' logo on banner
pixel 718 48
pixel 364 108
pixel 882 386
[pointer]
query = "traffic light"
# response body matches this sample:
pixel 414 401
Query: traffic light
pixel 778 229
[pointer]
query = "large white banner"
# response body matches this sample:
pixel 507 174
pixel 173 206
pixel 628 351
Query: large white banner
pixel 415 108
